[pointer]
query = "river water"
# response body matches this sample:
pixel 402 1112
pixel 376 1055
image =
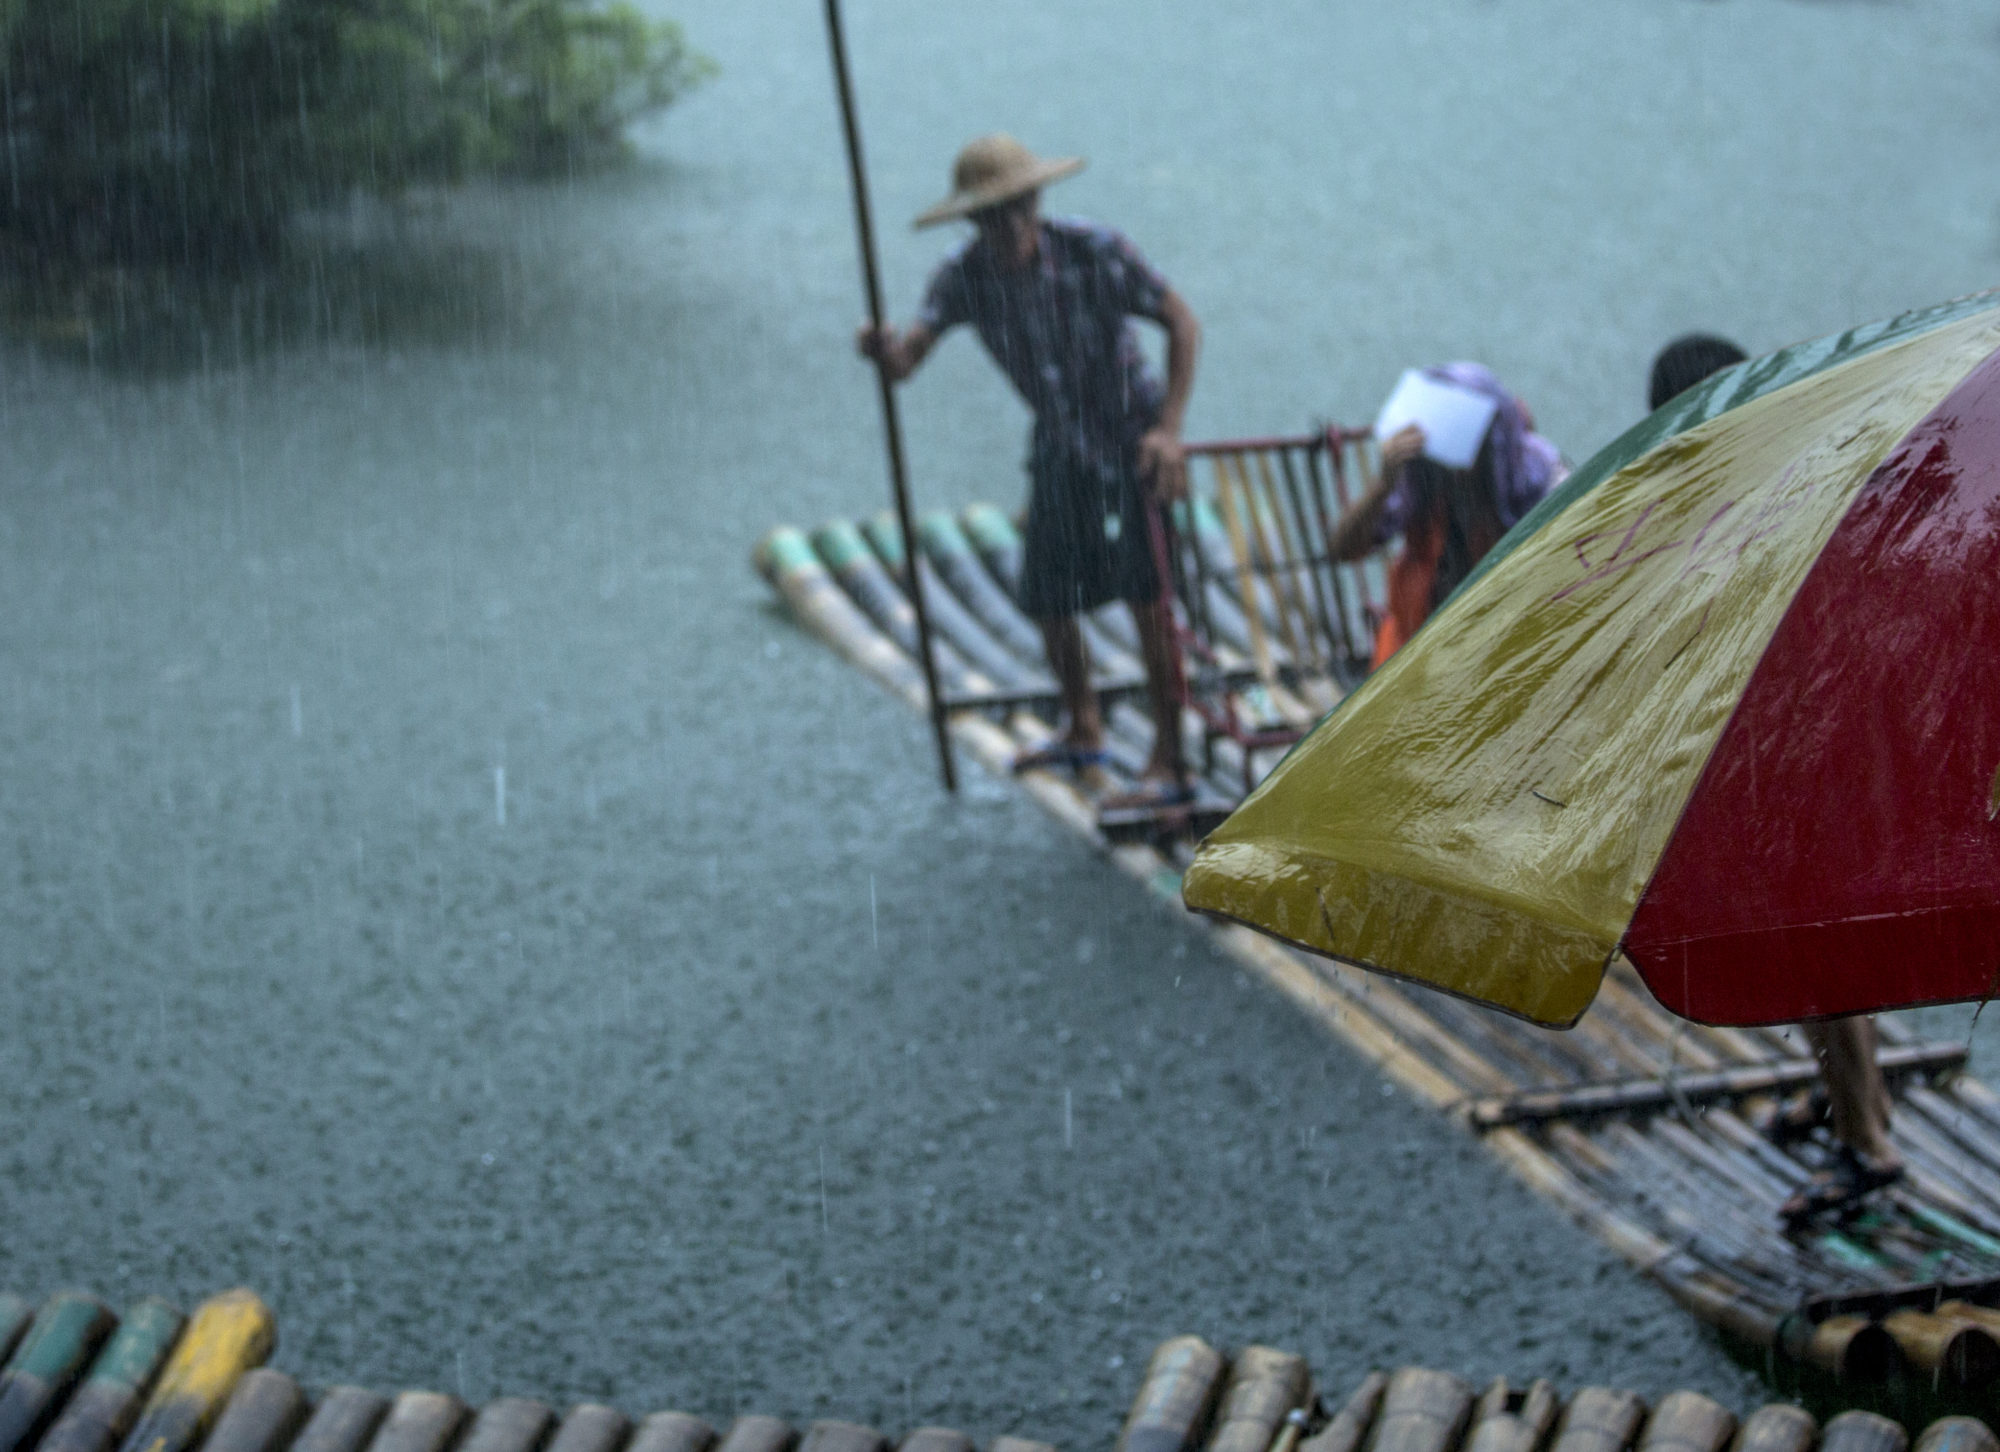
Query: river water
pixel 442 891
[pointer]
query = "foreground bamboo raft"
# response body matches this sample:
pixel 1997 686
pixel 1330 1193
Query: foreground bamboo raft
pixel 1637 1124
pixel 1265 1401
pixel 77 1379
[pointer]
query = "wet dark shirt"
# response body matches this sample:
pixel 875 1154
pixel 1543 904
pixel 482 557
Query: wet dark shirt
pixel 1061 331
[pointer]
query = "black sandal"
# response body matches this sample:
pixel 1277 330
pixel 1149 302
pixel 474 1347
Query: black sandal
pixel 1838 1189
pixel 1792 1121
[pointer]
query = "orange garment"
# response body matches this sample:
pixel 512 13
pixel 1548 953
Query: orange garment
pixel 1412 587
pixel 1415 586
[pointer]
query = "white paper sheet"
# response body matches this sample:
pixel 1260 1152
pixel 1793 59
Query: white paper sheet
pixel 1453 419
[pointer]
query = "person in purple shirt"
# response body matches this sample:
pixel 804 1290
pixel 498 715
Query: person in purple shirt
pixel 1052 301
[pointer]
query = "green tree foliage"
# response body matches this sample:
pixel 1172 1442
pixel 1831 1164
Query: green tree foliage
pixel 190 130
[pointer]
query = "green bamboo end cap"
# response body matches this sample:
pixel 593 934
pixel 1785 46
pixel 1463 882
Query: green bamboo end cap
pixel 939 534
pixel 784 551
pixel 887 536
pixel 142 1341
pixel 990 529
pixel 65 1332
pixel 840 544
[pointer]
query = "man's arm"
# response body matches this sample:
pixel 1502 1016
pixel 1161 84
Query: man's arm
pixel 898 353
pixel 1161 458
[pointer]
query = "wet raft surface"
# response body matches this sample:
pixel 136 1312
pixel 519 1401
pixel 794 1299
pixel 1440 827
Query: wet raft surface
pixel 1635 1123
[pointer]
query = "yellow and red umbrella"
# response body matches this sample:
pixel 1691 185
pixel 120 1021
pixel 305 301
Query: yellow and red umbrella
pixel 1727 702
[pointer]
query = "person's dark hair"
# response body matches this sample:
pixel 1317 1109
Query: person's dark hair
pixel 1686 361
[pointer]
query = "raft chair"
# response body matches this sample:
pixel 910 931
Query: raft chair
pixel 1272 630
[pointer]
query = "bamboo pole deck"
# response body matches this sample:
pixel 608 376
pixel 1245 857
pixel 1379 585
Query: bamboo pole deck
pixel 1635 1123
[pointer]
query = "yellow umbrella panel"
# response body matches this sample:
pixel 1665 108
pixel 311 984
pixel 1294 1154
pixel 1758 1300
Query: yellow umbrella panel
pixel 1484 814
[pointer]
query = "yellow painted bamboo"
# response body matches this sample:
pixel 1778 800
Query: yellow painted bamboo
pixel 227 1336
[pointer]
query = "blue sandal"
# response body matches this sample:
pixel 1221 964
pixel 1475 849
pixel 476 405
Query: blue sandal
pixel 1059 755
pixel 1151 795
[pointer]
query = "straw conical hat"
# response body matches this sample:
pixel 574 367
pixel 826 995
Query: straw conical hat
pixel 992 170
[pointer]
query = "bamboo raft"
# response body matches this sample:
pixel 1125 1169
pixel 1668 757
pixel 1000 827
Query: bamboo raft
pixel 78 1379
pixel 1193 1400
pixel 1636 1124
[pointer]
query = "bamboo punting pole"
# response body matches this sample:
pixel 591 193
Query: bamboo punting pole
pixel 1778 1427
pixel 753 1433
pixel 1503 1422
pixel 892 427
pixel 344 1420
pixel 508 1424
pixel 1600 1419
pixel 593 1427
pixel 1264 1385
pixel 1422 1411
pixel 1958 1434
pixel 1347 1428
pixel 1687 1421
pixel 263 1412
pixel 1859 1431
pixel 683 1433
pixel 103 1405
pixel 1176 1396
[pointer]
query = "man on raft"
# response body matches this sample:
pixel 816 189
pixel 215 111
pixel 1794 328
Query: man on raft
pixel 1052 299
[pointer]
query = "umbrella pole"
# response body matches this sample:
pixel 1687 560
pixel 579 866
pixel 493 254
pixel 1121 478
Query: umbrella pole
pixel 891 424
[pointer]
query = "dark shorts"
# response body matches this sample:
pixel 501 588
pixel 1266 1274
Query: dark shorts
pixel 1087 541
